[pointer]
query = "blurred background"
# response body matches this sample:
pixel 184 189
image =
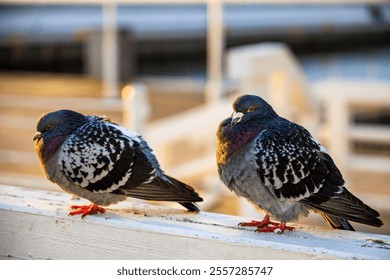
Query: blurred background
pixel 171 69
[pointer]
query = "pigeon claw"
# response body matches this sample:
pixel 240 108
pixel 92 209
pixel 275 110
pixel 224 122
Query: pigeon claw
pixel 266 225
pixel 85 210
pixel 278 229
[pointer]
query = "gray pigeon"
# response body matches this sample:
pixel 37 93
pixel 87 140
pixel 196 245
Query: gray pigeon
pixel 95 159
pixel 282 170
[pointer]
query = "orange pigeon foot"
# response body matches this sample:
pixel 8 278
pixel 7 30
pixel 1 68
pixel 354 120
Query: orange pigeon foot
pixel 85 210
pixel 266 225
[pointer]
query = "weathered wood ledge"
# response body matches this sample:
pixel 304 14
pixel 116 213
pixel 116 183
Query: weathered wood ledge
pixel 34 225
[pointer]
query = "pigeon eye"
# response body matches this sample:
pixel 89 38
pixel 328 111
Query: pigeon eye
pixel 49 127
pixel 250 109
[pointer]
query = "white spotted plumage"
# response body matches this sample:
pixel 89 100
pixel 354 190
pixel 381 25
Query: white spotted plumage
pixel 280 168
pixel 86 157
pixel 100 161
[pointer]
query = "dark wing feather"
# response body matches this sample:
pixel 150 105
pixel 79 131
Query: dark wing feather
pixel 162 189
pixel 147 182
pixel 103 157
pixel 289 162
pixel 344 206
pixel 98 156
pixel 336 222
pixel 293 166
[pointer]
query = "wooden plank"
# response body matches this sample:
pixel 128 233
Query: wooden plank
pixel 34 225
pixel 369 163
pixel 18 157
pixel 366 93
pixel 49 84
pixel 25 180
pixel 370 133
pixel 203 165
pixel 201 119
pixel 76 103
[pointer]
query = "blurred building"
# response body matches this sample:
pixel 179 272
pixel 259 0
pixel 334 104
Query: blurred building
pixel 170 40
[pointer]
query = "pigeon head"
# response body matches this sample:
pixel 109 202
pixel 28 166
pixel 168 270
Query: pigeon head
pixel 251 115
pixel 52 130
pixel 249 108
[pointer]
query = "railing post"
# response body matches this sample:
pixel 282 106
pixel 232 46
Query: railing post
pixel 135 106
pixel 215 46
pixel 279 96
pixel 109 50
pixel 338 117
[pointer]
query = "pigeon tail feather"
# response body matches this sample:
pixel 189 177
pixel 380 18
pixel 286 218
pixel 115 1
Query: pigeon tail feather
pixel 336 222
pixel 346 207
pixel 192 207
pixel 166 189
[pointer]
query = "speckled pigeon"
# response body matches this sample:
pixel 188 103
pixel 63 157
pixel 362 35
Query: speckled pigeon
pixel 282 170
pixel 95 159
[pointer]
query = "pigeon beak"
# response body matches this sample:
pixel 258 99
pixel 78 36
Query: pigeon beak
pixel 37 136
pixel 236 117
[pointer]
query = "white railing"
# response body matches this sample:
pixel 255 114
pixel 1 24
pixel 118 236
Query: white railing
pixel 34 225
pixel 341 99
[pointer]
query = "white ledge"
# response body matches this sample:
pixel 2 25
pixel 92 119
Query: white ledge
pixel 34 225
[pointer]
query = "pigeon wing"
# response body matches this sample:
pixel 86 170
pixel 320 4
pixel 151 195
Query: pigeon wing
pixel 98 156
pixel 295 166
pixel 103 157
pixel 290 163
